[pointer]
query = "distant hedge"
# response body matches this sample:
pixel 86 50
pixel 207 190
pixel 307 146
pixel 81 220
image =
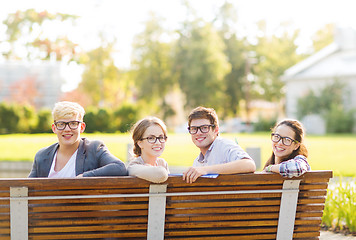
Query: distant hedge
pixel 15 118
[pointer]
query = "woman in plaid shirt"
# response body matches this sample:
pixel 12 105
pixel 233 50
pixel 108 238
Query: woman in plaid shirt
pixel 289 156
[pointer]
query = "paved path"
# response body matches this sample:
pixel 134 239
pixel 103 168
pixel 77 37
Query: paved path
pixel 326 235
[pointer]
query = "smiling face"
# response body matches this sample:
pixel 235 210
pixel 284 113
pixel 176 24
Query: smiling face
pixel 69 137
pixel 151 150
pixel 203 140
pixel 279 149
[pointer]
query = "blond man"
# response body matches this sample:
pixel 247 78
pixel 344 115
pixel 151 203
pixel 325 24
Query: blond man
pixel 73 156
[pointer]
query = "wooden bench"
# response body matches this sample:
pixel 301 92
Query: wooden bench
pixel 243 206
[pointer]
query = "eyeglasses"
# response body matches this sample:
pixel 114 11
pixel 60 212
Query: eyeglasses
pixel 285 140
pixel 60 125
pixel 153 139
pixel 202 128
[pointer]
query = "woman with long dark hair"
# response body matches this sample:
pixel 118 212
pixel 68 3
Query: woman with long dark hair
pixel 289 153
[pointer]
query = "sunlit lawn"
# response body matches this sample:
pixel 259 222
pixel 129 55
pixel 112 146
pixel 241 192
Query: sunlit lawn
pixel 334 152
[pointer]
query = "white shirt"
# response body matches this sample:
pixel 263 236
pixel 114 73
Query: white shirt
pixel 67 172
pixel 221 151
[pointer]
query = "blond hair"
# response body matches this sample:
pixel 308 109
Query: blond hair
pixel 67 109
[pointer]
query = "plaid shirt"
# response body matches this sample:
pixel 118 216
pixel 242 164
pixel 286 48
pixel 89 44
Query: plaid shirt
pixel 294 167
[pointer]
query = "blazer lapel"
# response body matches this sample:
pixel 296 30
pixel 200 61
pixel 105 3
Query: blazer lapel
pixel 47 163
pixel 79 164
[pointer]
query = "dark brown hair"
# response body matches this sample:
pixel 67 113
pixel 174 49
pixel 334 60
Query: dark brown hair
pixel 139 129
pixel 206 113
pixel 298 129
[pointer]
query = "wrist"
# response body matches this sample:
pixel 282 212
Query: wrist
pixel 269 168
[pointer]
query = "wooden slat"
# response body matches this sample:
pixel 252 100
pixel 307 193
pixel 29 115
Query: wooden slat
pixel 225 210
pixel 92 207
pixel 91 228
pixel 88 221
pixel 202 204
pixel 136 213
pixel 235 231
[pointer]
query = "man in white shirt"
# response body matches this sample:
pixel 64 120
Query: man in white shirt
pixel 217 155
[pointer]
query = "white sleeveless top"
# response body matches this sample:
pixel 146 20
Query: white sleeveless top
pixel 68 171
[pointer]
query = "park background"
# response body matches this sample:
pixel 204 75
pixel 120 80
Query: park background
pixel 123 60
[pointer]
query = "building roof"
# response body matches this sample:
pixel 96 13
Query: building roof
pixel 336 60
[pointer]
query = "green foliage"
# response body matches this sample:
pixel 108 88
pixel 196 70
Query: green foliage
pixel 16 118
pixel 98 120
pixel 235 49
pixel 24 119
pixel 152 64
pixel 323 37
pixel 101 78
pixel 9 119
pixel 201 65
pixel 313 103
pixel 109 121
pixel 329 103
pixel 125 117
pixel 44 121
pixel 23 26
pixel 264 124
pixel 275 54
pixel 338 120
pixel 340 206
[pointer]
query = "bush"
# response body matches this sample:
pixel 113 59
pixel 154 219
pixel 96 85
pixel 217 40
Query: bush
pixel 125 117
pixel 98 120
pixel 9 119
pixel 340 207
pixel 24 119
pixel 264 124
pixel 339 120
pixel 329 103
pixel 44 122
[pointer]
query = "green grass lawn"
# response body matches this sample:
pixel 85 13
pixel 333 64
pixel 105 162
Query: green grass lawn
pixel 331 152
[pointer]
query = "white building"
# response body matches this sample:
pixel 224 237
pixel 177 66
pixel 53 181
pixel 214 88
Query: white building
pixel 336 61
pixel 44 75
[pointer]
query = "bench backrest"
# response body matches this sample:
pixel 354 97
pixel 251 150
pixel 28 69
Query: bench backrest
pixel 242 206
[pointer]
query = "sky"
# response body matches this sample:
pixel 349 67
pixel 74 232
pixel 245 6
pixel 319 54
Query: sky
pixel 124 19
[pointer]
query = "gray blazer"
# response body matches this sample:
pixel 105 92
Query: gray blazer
pixel 93 159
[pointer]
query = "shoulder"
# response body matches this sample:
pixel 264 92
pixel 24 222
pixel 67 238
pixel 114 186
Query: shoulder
pixel 135 161
pixel 161 162
pixel 300 157
pixel 224 141
pixel 92 144
pixel 224 144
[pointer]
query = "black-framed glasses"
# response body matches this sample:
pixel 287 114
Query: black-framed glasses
pixel 153 139
pixel 203 128
pixel 61 125
pixel 285 140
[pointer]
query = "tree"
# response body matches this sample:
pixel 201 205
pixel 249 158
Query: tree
pixel 201 65
pixel 276 53
pixel 152 65
pixel 24 91
pixel 101 78
pixel 235 50
pixel 323 37
pixel 26 31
